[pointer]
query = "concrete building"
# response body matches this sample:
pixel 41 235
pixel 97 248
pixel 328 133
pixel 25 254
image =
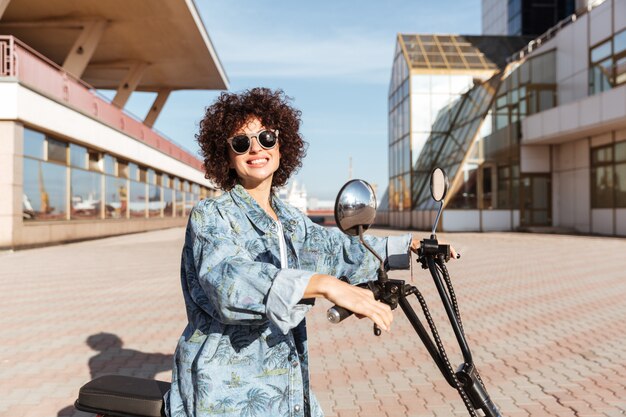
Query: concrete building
pixel 74 165
pixel 540 144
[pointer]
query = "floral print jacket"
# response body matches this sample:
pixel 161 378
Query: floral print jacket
pixel 244 350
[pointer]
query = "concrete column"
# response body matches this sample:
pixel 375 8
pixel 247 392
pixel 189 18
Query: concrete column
pixel 129 84
pixel 156 108
pixel 11 178
pixel 3 6
pixel 84 47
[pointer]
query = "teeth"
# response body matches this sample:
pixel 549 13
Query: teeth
pixel 257 161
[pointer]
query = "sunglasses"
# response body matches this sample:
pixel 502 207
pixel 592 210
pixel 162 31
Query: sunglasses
pixel 241 143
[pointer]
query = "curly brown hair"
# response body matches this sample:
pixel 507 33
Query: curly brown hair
pixel 230 112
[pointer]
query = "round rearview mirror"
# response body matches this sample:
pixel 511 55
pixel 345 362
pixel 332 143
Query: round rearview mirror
pixel 438 184
pixel 355 206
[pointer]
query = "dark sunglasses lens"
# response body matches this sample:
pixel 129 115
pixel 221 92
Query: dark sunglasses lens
pixel 267 139
pixel 240 144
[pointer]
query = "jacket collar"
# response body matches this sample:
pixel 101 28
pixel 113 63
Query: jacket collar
pixel 258 216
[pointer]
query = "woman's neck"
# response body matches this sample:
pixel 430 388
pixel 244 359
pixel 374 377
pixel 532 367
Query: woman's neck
pixel 262 195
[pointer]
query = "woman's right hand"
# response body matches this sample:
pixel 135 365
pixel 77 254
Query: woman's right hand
pixel 356 299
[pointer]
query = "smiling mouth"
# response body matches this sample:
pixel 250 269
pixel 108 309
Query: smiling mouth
pixel 257 162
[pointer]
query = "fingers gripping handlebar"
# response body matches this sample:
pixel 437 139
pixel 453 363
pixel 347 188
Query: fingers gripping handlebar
pixel 337 314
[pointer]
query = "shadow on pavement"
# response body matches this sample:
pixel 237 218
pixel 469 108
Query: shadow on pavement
pixel 113 358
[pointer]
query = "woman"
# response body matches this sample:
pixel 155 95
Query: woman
pixel 252 266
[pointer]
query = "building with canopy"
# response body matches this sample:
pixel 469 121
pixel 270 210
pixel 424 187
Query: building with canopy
pixel 74 164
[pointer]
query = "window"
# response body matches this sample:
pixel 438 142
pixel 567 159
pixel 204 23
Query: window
pixel 94 161
pixel 67 181
pixel 109 164
pixel 85 190
pixel 607 64
pixel 44 191
pixel 34 143
pixel 78 156
pixel 608 176
pixel 57 150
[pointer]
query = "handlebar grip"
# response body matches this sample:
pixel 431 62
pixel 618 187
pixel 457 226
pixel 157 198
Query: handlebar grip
pixel 337 314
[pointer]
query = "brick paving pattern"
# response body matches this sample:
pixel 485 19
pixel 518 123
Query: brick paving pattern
pixel 544 314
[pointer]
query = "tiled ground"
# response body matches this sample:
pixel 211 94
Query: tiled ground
pixel 545 316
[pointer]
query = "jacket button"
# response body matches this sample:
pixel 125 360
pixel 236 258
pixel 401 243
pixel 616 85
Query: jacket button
pixel 294 363
pixel 296 408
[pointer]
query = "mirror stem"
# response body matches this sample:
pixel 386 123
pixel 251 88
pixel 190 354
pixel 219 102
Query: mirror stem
pixel 433 235
pixel 369 248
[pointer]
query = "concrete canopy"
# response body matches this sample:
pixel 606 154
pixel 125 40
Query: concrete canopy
pixel 166 36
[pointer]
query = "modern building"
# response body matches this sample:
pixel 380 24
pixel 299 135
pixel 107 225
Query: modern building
pixel 540 144
pixel 429 73
pixel 74 165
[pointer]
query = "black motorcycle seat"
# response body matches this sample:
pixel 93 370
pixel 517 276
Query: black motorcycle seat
pixel 122 396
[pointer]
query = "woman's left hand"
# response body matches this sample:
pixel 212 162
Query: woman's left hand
pixel 415 244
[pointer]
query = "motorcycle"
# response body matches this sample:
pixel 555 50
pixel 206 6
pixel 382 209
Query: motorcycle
pixel 355 211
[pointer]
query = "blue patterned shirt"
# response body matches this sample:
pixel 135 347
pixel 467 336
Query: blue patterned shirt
pixel 244 350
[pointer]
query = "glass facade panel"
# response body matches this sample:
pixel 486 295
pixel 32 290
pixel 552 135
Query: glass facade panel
pixel 45 191
pixel 180 203
pixel 109 165
pixel 123 169
pixel 57 150
pixel 466 196
pixel 78 156
pixel 116 197
pixel 600 155
pixel 34 143
pixel 487 192
pixel 619 42
pixel 133 171
pixel 94 161
pixel 620 185
pixel 143 175
pixel 168 202
pixel 85 190
pixel 155 205
pixel 620 152
pixel 602 187
pixel 598 53
pixel 137 199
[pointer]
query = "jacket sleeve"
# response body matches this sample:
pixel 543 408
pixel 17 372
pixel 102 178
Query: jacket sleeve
pixel 341 255
pixel 221 279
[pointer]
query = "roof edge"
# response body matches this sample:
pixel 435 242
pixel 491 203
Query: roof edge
pixel 191 5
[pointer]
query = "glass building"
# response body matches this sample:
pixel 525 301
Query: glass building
pixel 429 73
pixel 538 145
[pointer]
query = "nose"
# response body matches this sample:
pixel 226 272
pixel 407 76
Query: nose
pixel 254 145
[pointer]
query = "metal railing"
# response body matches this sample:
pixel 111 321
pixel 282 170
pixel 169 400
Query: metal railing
pixel 41 74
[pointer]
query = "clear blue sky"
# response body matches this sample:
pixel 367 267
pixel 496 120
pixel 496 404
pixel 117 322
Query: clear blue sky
pixel 333 57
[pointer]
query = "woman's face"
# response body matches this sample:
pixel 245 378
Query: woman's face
pixel 257 166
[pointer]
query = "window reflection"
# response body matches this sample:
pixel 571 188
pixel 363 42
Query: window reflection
pixel 465 197
pixel 155 204
pixel 98 184
pixel 85 191
pixel 78 156
pixel 57 150
pixel 116 200
pixel 34 143
pixel 138 199
pixel 45 191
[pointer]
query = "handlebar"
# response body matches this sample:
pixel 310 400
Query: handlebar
pixel 337 314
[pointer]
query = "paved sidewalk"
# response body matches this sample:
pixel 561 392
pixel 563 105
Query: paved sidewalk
pixel 545 316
